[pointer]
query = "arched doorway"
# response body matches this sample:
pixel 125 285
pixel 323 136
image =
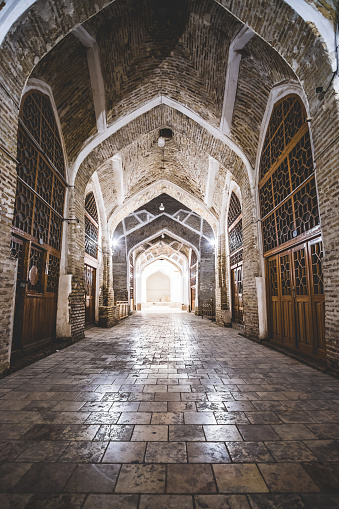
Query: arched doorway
pixel 291 232
pixel 234 222
pixel 91 256
pixel 158 288
pixel 37 222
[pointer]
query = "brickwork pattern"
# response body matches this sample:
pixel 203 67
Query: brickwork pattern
pixel 294 40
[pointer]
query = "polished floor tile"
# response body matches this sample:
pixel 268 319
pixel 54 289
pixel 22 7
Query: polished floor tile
pixel 168 411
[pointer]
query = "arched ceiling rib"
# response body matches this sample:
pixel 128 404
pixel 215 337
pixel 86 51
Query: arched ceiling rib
pixel 183 58
pixel 154 191
pixel 144 57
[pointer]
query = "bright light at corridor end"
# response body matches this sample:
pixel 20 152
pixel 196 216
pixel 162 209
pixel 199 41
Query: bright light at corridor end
pixel 213 242
pixel 114 243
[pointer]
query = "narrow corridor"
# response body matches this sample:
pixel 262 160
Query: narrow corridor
pixel 169 411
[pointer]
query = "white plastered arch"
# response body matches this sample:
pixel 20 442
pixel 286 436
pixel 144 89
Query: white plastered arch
pixel 277 93
pixel 169 234
pixel 41 86
pixel 157 101
pixel 152 191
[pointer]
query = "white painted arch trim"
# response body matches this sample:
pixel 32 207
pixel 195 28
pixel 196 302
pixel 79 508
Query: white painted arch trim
pixel 278 92
pixel 168 247
pixel 13 9
pixel 231 83
pixel 309 13
pixel 157 101
pixel 143 266
pixel 152 191
pixel 233 188
pixel 170 234
pixel 40 86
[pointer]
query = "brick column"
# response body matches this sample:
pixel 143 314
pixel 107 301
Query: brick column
pixel 107 310
pixel 251 269
pixel 75 259
pixel 206 273
pixel 222 311
pixel 8 266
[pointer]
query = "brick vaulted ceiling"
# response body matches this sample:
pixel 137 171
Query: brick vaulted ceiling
pixel 177 49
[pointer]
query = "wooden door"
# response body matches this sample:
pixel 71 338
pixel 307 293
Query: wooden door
pixel 274 314
pixel 237 301
pixel 193 299
pixel 302 299
pixel 286 299
pixel 296 304
pixel 36 293
pixel 90 277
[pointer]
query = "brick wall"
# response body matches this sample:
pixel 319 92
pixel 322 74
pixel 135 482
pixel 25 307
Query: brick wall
pixel 294 52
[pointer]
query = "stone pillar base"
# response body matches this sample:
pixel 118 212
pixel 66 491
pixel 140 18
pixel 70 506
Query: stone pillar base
pixel 107 316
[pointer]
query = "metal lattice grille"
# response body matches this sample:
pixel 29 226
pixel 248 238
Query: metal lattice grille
pixel 285 274
pixel 287 190
pixel 193 275
pixel 38 118
pixel 90 206
pixel 40 191
pixel 235 237
pixel 287 118
pixel 317 273
pixel 234 210
pixel 236 258
pixel 273 278
pixel 17 252
pixel 300 272
pixel 91 238
pixel 53 274
pixel 131 278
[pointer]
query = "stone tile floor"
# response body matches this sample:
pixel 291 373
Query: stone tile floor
pixel 169 411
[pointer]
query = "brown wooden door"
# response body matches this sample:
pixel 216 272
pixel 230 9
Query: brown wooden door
pixel 286 299
pixel 274 307
pixel 193 299
pixel 237 301
pixel 296 304
pixel 36 293
pixel 90 275
pixel 302 299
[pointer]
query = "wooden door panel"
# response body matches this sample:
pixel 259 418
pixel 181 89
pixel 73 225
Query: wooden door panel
pixel 274 302
pixel 193 299
pixel 303 300
pixel 275 320
pixel 296 304
pixel 89 275
pixel 288 324
pixel 302 320
pixel 236 290
pixel 39 322
pixel 285 290
pixel 36 305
